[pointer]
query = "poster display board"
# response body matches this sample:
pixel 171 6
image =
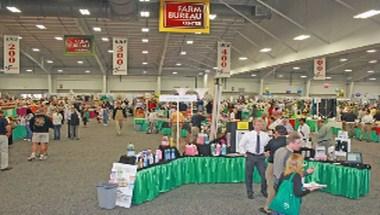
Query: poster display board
pixel 191 16
pixel 320 68
pixel 79 45
pixel 119 59
pixel 124 175
pixel 11 54
pixel 224 60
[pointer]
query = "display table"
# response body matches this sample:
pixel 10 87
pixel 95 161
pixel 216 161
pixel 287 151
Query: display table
pixel 150 182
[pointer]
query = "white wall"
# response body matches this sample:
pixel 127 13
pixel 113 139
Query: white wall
pixel 23 82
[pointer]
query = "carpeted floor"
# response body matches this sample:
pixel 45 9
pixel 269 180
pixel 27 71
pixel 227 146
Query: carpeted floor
pixel 65 183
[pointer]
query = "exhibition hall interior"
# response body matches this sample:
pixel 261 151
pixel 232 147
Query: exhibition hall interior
pixel 217 107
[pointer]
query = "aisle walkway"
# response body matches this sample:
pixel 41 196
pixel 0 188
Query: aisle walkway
pixel 65 183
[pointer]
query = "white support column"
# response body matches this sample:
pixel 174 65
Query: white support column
pixel 261 90
pixel 50 84
pixel 158 88
pixel 350 90
pixel 307 88
pixel 205 80
pixel 104 86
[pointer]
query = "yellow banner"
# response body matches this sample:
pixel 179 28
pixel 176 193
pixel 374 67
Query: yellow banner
pixel 243 125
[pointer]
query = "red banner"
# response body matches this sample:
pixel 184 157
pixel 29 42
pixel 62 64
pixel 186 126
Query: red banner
pixel 79 45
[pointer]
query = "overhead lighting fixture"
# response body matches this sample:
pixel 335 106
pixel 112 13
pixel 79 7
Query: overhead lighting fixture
pixel 372 61
pixel 29 70
pixel 80 61
pixel 42 27
pixel 348 70
pixel 280 76
pixel 97 29
pixel 59 70
pixel 35 49
pixel 174 73
pixel 87 71
pixel 303 76
pixel 145 52
pixel 328 78
pixel 178 64
pixel 105 39
pixel 212 16
pixel 145 30
pixel 371 51
pixel 183 52
pixel 370 72
pixel 296 68
pixel 198 32
pixel 189 42
pixel 20 37
pixel 13 9
pixel 84 12
pixel 144 0
pixel 301 37
pixel 207 71
pixel 110 51
pixel 253 75
pixel 243 58
pixel 367 14
pixel 215 67
pixel 58 38
pixel 372 79
pixel 144 63
pixel 145 40
pixel 144 72
pixel 343 59
pixel 265 50
pixel 145 14
pixel 49 61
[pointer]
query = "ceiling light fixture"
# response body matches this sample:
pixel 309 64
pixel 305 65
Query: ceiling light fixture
pixel 29 70
pixel 144 72
pixel 145 40
pixel 145 30
pixel 212 16
pixel 348 70
pixel 253 75
pixel 367 14
pixel 178 64
pixel 303 76
pixel 371 51
pixel 296 68
pixel 145 14
pixel 144 0
pixel 174 73
pixel 207 71
pixel 35 49
pixel 243 58
pixel 301 37
pixel 110 51
pixel 13 9
pixel 183 52
pixel 328 78
pixel 105 39
pixel 280 76
pixel 97 29
pixel 80 61
pixel 343 59
pixel 189 42
pixel 265 50
pixel 144 63
pixel 145 52
pixel 87 71
pixel 84 12
pixel 20 37
pixel 59 70
pixel 370 72
pixel 372 79
pixel 215 67
pixel 42 27
pixel 58 38
pixel 198 32
pixel 49 61
pixel 372 61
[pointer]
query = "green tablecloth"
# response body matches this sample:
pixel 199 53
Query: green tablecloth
pixel 19 133
pixel 372 137
pixel 341 180
pixel 150 182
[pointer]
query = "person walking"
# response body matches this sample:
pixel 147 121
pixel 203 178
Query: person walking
pixel 28 117
pixel 290 190
pixel 85 116
pixel 118 115
pixel 40 125
pixel 74 123
pixel 5 132
pixel 252 146
pixel 57 124
pixel 277 142
pixel 105 114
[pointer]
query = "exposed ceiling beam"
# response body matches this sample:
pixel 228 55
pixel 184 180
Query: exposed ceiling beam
pixel 163 55
pixel 259 27
pixel 348 6
pixel 293 21
pixel 253 43
pixel 83 28
pixel 269 73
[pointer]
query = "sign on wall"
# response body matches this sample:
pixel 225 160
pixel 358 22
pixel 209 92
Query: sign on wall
pixel 185 16
pixel 320 68
pixel 224 59
pixel 82 45
pixel 11 54
pixel 120 45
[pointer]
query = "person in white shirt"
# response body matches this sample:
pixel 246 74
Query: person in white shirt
pixel 252 146
pixel 57 123
pixel 367 121
pixel 304 131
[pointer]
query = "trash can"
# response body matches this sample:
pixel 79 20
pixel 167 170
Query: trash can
pixel 107 195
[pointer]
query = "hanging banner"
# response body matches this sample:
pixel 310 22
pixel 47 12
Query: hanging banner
pixel 11 54
pixel 320 68
pixel 120 45
pixel 224 60
pixel 175 98
pixel 191 16
pixel 79 45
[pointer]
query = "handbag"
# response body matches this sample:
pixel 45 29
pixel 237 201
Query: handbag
pixel 285 201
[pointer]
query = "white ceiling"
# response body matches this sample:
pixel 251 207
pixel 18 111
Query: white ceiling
pixel 329 23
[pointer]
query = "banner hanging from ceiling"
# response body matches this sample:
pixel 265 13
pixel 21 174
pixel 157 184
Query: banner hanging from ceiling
pixel 224 60
pixel 191 16
pixel 79 45
pixel 320 68
pixel 120 45
pixel 11 54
